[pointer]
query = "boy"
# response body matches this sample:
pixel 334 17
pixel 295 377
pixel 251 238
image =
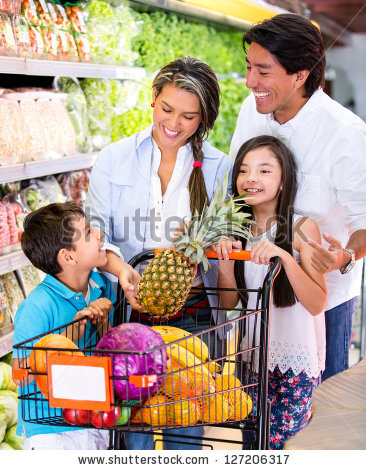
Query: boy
pixel 59 240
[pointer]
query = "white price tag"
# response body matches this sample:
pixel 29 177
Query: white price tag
pixel 78 382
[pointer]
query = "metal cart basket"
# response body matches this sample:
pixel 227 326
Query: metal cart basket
pixel 210 376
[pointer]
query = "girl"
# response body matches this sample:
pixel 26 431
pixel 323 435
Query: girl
pixel 143 186
pixel 266 169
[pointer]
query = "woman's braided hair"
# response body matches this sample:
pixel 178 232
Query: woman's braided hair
pixel 196 77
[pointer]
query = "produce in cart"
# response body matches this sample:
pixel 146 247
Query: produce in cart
pixel 137 337
pixel 166 282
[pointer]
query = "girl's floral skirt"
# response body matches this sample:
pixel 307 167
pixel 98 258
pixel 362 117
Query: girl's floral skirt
pixel 291 400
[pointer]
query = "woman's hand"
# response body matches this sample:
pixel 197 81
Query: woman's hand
pixel 226 246
pixel 264 251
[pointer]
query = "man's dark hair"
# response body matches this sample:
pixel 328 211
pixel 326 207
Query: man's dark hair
pixel 48 230
pixel 297 45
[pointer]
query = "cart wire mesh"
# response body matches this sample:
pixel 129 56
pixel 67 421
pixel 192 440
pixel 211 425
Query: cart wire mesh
pixel 214 375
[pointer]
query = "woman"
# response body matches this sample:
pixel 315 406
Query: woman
pixel 143 186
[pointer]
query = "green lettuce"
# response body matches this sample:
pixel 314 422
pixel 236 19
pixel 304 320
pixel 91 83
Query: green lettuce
pixel 16 442
pixel 6 378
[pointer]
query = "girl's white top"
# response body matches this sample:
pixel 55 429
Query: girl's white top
pixel 296 338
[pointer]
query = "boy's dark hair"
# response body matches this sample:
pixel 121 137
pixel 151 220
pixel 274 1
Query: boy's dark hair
pixel 297 45
pixel 283 293
pixel 48 230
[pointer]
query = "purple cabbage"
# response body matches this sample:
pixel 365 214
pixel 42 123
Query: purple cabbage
pixel 134 337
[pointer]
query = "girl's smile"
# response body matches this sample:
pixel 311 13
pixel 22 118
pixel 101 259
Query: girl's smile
pixel 260 175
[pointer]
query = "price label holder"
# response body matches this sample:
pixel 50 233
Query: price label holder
pixel 79 382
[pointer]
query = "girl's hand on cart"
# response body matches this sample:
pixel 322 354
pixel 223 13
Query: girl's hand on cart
pixel 129 279
pixel 226 246
pixel 264 251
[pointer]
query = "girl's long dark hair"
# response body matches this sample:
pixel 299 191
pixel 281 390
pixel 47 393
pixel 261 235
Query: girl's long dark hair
pixel 196 77
pixel 283 293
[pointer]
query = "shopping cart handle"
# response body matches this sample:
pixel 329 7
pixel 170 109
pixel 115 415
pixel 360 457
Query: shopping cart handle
pixel 243 255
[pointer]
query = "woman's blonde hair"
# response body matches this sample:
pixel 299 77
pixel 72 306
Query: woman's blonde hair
pixel 196 77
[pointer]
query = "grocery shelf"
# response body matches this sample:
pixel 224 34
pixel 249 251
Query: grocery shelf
pixel 6 340
pixel 12 261
pixel 200 12
pixel 23 171
pixel 17 65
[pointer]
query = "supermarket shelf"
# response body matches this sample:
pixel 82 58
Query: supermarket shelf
pixel 12 261
pixel 6 340
pixel 189 9
pixel 17 65
pixel 23 171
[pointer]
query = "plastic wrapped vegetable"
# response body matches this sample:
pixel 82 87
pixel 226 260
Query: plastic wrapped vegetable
pixel 67 46
pixel 12 148
pixel 50 123
pixel 8 407
pixel 34 135
pixel 63 21
pixel 21 35
pixel 13 291
pixel 30 277
pixel 50 41
pixel 4 230
pixel 14 441
pixel 29 10
pixel 76 106
pixel 37 44
pixel 6 378
pixel 76 16
pixel 7 44
pixel 65 125
pixel 44 13
pixel 75 185
pixel 83 45
pixel 111 31
pixel 13 228
pixel 5 312
pixel 21 210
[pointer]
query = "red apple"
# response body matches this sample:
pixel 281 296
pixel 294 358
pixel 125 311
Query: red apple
pixel 105 419
pixel 75 417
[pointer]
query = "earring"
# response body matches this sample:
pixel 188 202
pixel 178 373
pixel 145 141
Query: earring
pixel 152 105
pixel 201 122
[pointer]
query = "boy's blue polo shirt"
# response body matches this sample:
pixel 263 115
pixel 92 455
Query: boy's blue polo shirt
pixel 50 305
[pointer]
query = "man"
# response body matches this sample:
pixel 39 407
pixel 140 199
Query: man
pixel 285 70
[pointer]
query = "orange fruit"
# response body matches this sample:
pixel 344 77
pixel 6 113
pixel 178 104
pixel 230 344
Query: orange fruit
pixel 216 410
pixel 240 404
pixel 38 357
pixel 184 413
pixel 156 412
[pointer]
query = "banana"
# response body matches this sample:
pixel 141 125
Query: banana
pixel 195 345
pixel 185 358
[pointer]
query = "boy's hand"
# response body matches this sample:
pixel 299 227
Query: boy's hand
pixel 226 246
pixel 129 279
pixel 100 309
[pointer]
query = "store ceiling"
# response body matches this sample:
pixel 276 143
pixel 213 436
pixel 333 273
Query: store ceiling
pixel 339 16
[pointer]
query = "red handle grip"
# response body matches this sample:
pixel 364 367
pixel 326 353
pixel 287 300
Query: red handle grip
pixel 243 255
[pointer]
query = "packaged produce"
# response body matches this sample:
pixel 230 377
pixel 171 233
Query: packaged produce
pixel 66 22
pixel 41 192
pixel 44 13
pixel 7 151
pixel 37 44
pixel 75 185
pixel 21 34
pixel 50 123
pixel 6 379
pixel 21 210
pixel 83 45
pixel 67 46
pixel 15 127
pixel 55 15
pixel 111 31
pixel 34 134
pixel 76 106
pixel 29 10
pixel 76 16
pixel 30 278
pixel 13 291
pixel 10 6
pixel 7 45
pixel 50 42
pixel 4 230
pixel 13 228
pixel 4 309
pixel 65 125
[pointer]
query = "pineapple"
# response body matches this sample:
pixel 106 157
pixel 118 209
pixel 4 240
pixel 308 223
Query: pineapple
pixel 166 282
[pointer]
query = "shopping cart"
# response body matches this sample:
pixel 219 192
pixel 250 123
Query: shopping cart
pixel 208 377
